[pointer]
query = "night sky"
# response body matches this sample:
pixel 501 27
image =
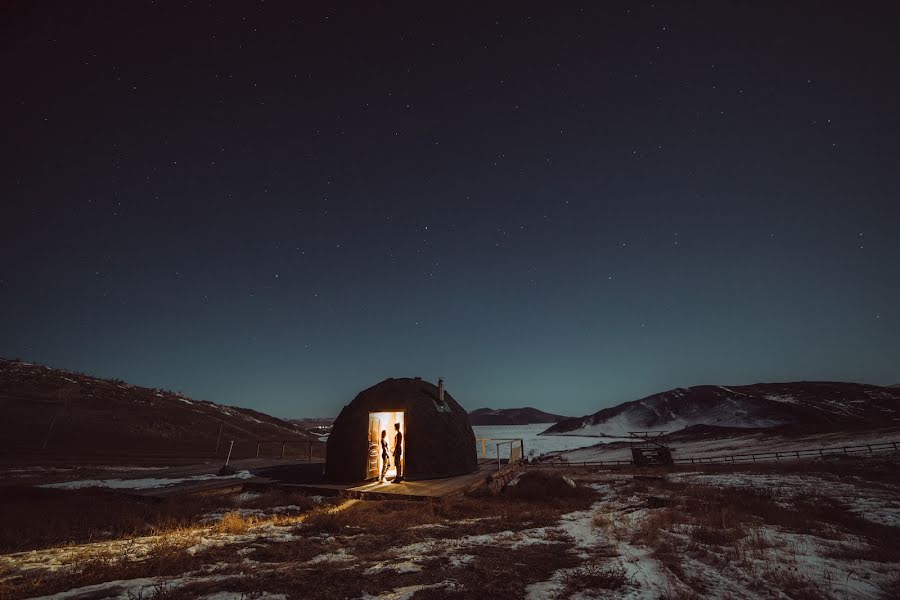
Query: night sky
pixel 562 205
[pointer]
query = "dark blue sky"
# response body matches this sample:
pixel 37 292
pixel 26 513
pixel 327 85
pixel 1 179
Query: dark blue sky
pixel 570 206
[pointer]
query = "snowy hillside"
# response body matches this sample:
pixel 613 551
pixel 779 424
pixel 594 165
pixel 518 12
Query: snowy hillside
pixel 755 406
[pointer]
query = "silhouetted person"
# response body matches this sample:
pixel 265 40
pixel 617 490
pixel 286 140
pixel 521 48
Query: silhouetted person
pixel 385 454
pixel 398 454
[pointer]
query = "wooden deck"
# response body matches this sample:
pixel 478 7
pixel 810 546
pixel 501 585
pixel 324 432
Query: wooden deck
pixel 447 487
pixel 305 477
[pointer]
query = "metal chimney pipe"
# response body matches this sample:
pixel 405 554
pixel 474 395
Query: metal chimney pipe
pixel 441 389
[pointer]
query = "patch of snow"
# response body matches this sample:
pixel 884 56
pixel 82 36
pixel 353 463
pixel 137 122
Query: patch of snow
pixel 877 505
pixel 429 526
pixel 140 484
pixel 242 596
pixel 127 589
pixel 246 497
pixel 396 567
pixel 341 555
pixel 218 515
pixel 407 592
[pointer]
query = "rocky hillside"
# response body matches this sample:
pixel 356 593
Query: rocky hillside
pixel 512 416
pixel 110 418
pixel 758 406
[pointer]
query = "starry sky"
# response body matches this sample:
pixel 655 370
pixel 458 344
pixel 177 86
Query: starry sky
pixel 563 205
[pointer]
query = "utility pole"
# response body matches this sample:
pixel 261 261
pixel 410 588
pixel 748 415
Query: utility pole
pixel 47 438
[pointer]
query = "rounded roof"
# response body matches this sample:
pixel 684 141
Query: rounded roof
pixel 438 438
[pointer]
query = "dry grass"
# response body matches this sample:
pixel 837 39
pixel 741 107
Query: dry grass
pixel 593 576
pixel 683 524
pixel 864 470
pixel 794 584
pixel 681 595
pixel 174 526
pixel 649 530
pixel 469 516
pixel 32 518
pixel 233 522
pixel 721 516
pixel 544 485
pixel 167 556
pixel 723 527
pixel 494 572
pixel 502 573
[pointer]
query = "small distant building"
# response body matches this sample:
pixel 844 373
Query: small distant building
pixel 437 438
pixel 650 448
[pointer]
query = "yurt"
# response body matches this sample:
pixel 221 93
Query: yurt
pixel 437 440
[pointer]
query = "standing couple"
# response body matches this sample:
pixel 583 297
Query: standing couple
pixel 398 453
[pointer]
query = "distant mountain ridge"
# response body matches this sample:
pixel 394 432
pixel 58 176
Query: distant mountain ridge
pixel 512 416
pixel 92 416
pixel 755 406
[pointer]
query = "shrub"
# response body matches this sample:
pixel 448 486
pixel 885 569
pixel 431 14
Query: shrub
pixel 541 485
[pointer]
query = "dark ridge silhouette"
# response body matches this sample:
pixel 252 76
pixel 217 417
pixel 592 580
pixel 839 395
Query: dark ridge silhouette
pixel 112 419
pixel 512 416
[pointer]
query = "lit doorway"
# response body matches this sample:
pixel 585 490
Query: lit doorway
pixel 378 422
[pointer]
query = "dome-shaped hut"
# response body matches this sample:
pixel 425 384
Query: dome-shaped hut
pixel 437 439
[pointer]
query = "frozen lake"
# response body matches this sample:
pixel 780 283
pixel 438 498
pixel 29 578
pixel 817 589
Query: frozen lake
pixel 541 444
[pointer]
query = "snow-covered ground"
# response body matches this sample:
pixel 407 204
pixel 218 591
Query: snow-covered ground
pixel 758 442
pixel 530 434
pixel 626 537
pixel 141 484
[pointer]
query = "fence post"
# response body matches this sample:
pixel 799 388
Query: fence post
pixel 282 450
pixel 309 451
pixel 257 449
pixel 777 456
pixel 869 446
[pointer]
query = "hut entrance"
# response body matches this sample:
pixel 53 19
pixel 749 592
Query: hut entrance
pixel 378 422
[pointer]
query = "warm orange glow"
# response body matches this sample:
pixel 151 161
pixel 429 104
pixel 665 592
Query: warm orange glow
pixel 386 421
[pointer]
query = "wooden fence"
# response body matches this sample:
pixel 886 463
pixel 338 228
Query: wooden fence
pixel 516 449
pixel 865 449
pixel 311 448
pixel 859 449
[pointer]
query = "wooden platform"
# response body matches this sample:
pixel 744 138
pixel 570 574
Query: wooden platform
pixel 447 487
pixel 294 475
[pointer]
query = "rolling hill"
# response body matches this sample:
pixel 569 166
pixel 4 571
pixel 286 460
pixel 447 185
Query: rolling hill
pixel 762 405
pixel 93 417
pixel 512 416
